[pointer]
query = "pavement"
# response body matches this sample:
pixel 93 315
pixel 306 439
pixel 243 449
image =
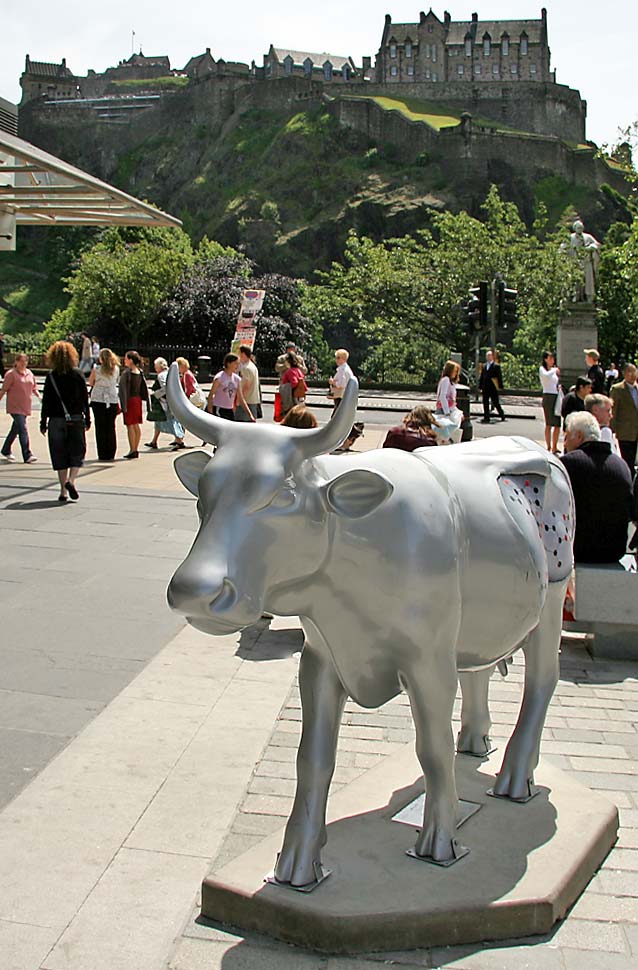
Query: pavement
pixel 137 753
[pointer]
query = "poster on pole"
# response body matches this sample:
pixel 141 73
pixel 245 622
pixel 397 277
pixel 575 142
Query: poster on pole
pixel 246 329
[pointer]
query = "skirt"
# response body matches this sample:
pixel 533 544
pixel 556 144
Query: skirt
pixel 549 403
pixel 133 413
pixel 67 443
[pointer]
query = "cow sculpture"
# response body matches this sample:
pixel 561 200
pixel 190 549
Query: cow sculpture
pixel 404 568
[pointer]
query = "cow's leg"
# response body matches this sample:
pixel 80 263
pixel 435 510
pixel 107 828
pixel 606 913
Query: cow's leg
pixel 432 689
pixel 322 702
pixel 475 713
pixel 541 675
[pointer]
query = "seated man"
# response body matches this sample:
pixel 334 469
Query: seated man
pixel 602 492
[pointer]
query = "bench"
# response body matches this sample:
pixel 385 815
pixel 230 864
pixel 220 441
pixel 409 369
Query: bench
pixel 606 605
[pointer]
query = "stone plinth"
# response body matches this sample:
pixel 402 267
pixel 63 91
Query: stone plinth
pixel 576 331
pixel 527 865
pixel 606 604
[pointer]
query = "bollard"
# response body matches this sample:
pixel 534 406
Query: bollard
pixel 463 403
pixel 203 369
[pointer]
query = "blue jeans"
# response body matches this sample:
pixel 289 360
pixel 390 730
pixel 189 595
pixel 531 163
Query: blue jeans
pixel 18 430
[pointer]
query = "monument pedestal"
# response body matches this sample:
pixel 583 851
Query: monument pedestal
pixel 527 865
pixel 576 331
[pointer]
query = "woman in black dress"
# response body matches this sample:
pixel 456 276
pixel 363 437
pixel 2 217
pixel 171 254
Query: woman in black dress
pixel 66 415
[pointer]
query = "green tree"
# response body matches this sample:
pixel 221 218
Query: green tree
pixel 121 282
pixel 617 297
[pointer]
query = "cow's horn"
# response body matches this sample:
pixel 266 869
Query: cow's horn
pixel 203 425
pixel 335 432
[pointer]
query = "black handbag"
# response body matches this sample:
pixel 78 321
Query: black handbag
pixel 72 420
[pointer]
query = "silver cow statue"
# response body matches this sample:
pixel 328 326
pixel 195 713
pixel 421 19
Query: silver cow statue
pixel 404 568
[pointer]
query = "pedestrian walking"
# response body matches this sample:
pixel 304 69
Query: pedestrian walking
pixel 549 375
pixel 490 383
pixel 86 355
pixel 19 386
pixel 132 392
pixel 159 412
pixel 611 376
pixel 249 385
pixel 575 400
pixel 103 381
pixel 65 415
pixel 281 364
pixel 95 350
pixel 342 375
pixel 226 391
pixel 625 419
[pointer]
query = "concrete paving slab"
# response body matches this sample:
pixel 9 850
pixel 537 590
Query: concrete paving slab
pixel 22 755
pixel 24 711
pixel 24 946
pixel 237 955
pixel 527 866
pixel 146 896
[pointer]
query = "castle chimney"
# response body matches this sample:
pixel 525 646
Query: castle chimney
pixel 388 19
pixel 474 18
pixel 421 18
pixel 64 62
pixel 208 50
pixel 366 63
pixel 544 14
pixel 447 19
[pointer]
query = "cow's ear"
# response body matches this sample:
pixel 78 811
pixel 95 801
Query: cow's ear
pixel 357 493
pixel 189 468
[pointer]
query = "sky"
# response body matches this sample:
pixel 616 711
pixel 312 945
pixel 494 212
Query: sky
pixel 592 44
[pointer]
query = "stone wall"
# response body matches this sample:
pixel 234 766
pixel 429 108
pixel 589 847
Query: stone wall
pixel 547 109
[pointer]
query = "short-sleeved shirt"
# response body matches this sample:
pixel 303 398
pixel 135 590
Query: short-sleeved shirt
pixel 226 392
pixel 250 375
pixel 19 389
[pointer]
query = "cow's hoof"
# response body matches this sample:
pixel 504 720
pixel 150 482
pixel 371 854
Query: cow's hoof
pixel 297 867
pixel 452 853
pixel 517 789
pixel 477 744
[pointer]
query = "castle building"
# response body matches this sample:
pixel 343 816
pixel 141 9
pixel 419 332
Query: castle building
pixel 281 62
pixel 201 65
pixel 476 51
pixel 53 80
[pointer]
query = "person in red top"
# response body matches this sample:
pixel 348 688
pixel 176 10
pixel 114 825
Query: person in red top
pixel 415 432
pixel 288 381
pixel 19 385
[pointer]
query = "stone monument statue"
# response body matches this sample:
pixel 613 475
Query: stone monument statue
pixel 404 569
pixel 586 249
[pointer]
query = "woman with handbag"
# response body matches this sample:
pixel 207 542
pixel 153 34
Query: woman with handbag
pixel 105 403
pixel 132 392
pixel 549 375
pixel 292 384
pixel 448 416
pixel 65 415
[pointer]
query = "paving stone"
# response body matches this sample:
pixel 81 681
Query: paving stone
pixel 276 769
pixel 617 882
pixel 194 954
pixel 590 935
pixel 607 909
pixel 581 737
pixel 605 780
pixel 24 946
pixel 268 805
pixel 627 838
pixel 584 750
pixel 621 858
pixel 583 960
pixel 611 766
pixel 271 786
pixel 249 824
pixel 629 817
pixel 503 957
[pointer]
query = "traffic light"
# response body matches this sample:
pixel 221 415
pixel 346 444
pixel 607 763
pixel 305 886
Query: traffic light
pixel 506 306
pixel 476 308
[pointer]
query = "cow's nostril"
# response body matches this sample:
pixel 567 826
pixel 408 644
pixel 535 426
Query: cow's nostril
pixel 226 598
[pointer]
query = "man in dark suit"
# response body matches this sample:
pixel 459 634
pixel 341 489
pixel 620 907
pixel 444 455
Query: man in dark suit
pixel 490 383
pixel 595 373
pixel 625 419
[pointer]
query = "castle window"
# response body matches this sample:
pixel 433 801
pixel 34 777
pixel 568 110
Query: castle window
pixel 435 76
pixel 523 44
pixel 410 69
pixel 494 68
pixel 505 45
pixel 288 62
pixel 427 74
pixel 513 68
pixel 487 45
pixel 408 48
pixel 393 50
pixel 307 67
pixel 532 69
pixel 327 71
pixel 460 69
pixel 477 68
pixel 346 72
pixel 393 71
pixel 468 46
pixel 430 28
pixel 434 53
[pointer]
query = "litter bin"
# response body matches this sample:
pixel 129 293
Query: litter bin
pixel 463 402
pixel 203 369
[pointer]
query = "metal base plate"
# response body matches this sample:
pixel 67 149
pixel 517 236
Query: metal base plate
pixel 321 874
pixel 412 814
pixel 534 790
pixel 460 851
pixel 489 749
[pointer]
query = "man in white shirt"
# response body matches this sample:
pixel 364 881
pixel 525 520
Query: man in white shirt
pixel 343 374
pixel 249 385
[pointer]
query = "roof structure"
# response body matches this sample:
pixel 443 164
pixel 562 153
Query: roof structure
pixel 298 57
pixel 39 189
pixel 459 29
pixel 47 69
